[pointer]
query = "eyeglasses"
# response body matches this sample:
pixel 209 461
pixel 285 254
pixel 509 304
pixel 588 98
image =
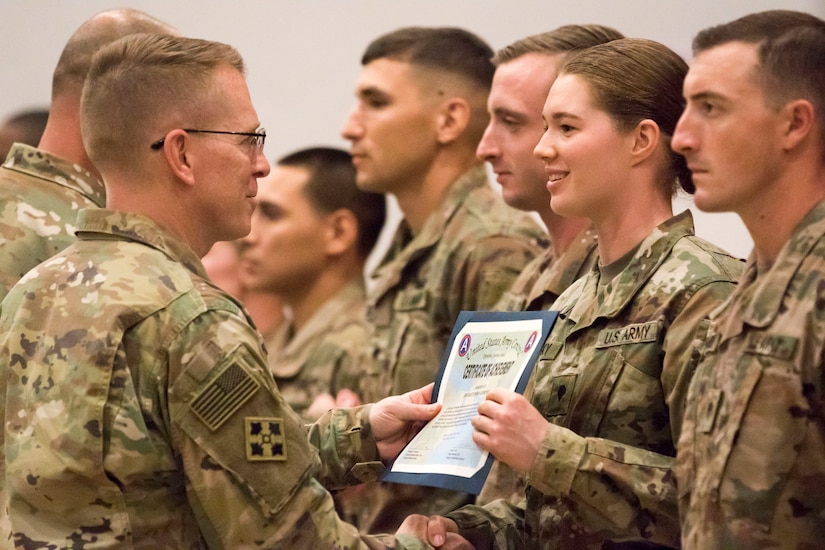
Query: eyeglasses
pixel 257 138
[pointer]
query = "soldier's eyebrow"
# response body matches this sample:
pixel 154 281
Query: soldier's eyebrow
pixel 371 93
pixel 559 115
pixel 707 95
pixel 268 208
pixel 503 112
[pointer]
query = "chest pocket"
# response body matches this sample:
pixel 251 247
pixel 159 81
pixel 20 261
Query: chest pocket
pixel 407 349
pixel 753 438
pixel 577 398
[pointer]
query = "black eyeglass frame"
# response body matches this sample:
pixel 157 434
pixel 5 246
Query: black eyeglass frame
pixel 259 135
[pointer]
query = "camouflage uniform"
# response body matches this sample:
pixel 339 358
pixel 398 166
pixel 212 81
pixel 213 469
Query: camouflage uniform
pixel 536 289
pixel 751 463
pixel 467 254
pixel 40 195
pixel 140 413
pixel 611 380
pixel 324 356
pixel 543 280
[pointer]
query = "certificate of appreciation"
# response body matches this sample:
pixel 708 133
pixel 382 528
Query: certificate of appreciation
pixel 486 350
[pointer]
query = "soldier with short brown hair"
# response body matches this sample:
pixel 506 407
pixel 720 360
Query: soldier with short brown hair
pixel 419 113
pixel 751 462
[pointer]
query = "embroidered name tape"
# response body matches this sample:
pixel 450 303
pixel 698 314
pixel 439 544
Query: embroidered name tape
pixel 774 345
pixel 411 300
pixel 630 334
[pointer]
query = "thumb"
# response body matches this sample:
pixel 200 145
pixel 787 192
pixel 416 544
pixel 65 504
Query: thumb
pixel 413 411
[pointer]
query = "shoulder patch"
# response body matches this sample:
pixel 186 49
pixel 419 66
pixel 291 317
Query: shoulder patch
pixel 264 437
pixel 224 395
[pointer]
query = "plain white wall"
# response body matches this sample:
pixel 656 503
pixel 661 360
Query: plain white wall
pixel 303 55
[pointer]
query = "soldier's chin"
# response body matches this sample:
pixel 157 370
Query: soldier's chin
pixel 366 183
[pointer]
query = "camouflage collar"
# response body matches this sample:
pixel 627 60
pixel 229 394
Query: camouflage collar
pixel 570 266
pixel 406 246
pixel 652 251
pixel 293 354
pixel 456 195
pixel 96 223
pixel 759 297
pixel 349 297
pixel 34 162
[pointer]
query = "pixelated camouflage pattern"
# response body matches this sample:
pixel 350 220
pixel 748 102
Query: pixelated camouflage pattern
pixel 40 195
pixel 537 288
pixel 110 347
pixel 325 356
pixel 467 254
pixel 751 463
pixel 612 380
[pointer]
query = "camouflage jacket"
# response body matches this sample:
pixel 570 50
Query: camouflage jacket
pixel 467 254
pixel 140 412
pixel 465 257
pixel 612 379
pixel 40 195
pixel 751 463
pixel 324 356
pixel 537 288
pixel 543 280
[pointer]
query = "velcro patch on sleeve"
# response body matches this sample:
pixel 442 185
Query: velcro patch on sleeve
pixel 264 438
pixel 224 395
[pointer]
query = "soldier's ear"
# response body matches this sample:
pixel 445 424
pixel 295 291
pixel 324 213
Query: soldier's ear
pixel 341 232
pixel 179 155
pixel 645 140
pixel 798 118
pixel 453 118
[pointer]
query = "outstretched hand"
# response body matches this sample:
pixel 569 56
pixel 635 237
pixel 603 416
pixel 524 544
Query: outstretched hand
pixel 396 419
pixel 439 531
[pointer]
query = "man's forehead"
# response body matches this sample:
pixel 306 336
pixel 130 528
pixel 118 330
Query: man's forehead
pixel 724 63
pixel 384 71
pixel 533 67
pixel 525 79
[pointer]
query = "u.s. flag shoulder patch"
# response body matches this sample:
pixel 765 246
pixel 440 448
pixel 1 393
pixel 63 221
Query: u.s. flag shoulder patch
pixel 265 438
pixel 224 395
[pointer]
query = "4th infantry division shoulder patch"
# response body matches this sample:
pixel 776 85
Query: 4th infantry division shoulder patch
pixel 264 438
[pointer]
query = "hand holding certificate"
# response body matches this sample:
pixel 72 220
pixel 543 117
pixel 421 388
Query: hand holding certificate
pixel 486 350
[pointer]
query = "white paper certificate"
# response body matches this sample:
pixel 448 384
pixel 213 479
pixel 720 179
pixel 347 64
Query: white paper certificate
pixel 486 350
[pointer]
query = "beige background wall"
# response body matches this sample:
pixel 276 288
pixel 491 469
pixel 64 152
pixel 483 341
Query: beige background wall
pixel 303 54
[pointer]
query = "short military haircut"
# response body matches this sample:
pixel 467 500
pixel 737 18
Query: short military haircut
pixel 449 49
pixel 331 186
pixel 754 28
pixel 791 53
pixel 793 67
pixel 147 83
pixel 565 39
pixel 101 29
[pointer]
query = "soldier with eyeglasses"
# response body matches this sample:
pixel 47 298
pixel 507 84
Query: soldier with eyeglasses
pixel 139 408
